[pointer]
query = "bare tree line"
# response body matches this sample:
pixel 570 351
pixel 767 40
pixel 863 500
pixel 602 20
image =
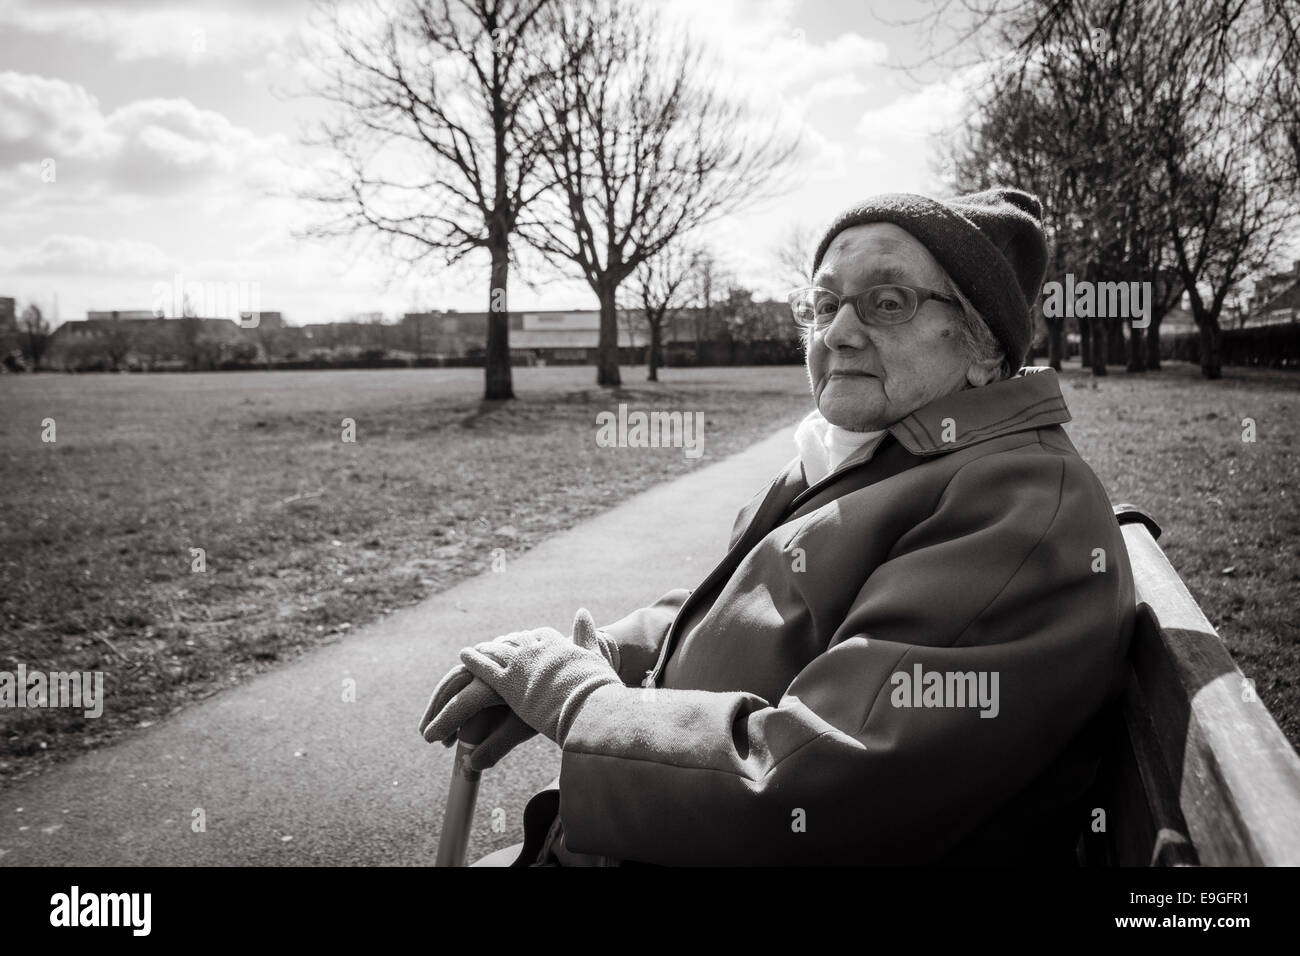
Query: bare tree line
pixel 1162 136
pixel 584 129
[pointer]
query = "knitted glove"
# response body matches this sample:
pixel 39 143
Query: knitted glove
pixel 586 635
pixel 543 677
pixel 462 695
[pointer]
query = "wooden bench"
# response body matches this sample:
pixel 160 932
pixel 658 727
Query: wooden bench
pixel 1196 771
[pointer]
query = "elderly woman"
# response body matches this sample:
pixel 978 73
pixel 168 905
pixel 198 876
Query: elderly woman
pixel 906 652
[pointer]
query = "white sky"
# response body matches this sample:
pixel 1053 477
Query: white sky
pixel 174 155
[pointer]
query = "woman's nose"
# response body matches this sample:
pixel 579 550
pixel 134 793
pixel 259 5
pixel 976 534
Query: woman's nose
pixel 845 330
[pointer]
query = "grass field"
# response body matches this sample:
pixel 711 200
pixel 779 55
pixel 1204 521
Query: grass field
pixel 1171 443
pixel 307 536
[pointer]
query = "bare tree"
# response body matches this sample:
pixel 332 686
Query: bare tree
pixel 35 329
pixel 1155 144
pixel 1225 217
pixel 1279 83
pixel 794 254
pixel 117 339
pixel 269 340
pixel 434 128
pixel 1018 134
pixel 751 323
pixel 707 284
pixel 661 285
pixel 641 150
pixel 377 334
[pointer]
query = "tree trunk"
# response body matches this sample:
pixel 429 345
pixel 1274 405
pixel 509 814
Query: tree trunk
pixel 607 354
pixel 654 357
pixel 1210 364
pixel 1099 346
pixel 1085 342
pixel 1115 352
pixel 1137 359
pixel 1055 342
pixel 1153 344
pixel 498 383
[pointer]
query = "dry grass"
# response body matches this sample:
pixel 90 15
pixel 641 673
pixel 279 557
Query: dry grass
pixel 1171 443
pixel 306 537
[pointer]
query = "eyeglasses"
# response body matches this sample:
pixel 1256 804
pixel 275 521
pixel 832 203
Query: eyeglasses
pixel 816 308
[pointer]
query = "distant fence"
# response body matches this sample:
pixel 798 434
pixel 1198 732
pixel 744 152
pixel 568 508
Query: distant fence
pixel 1267 346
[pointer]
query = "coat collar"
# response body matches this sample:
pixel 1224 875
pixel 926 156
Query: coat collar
pixel 1029 399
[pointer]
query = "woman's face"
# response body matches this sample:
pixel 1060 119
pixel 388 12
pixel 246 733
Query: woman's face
pixel 865 378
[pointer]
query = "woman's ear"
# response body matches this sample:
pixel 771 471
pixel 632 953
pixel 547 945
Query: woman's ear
pixel 983 371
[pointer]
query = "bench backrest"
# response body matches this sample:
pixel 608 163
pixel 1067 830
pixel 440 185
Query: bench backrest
pixel 1197 771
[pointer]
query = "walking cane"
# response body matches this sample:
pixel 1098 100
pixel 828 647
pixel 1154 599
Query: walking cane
pixel 462 794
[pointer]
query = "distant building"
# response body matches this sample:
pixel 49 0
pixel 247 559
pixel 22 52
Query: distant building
pixel 261 320
pixel 1276 298
pixel 569 336
pixel 8 315
pixel 120 314
pixel 134 339
pixel 740 333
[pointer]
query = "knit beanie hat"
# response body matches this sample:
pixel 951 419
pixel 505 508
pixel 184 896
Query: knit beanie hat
pixel 991 244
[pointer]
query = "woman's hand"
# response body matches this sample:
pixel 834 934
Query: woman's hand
pixel 460 695
pixel 542 676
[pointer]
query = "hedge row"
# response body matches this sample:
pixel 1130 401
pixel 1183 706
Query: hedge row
pixel 1270 346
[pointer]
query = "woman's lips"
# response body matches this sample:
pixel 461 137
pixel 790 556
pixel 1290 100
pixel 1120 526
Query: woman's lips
pixel 850 373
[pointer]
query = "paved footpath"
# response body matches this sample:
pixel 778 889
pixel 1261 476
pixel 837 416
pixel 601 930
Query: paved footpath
pixel 288 773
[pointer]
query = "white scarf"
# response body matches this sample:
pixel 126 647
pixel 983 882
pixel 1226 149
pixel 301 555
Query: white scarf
pixel 823 447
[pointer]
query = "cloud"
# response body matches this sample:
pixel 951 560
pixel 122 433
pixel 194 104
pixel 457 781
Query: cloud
pixel 82 255
pixel 920 114
pixel 767 56
pixel 152 144
pixel 142 29
pixel 146 147
pixel 898 140
pixel 42 117
pixel 834 89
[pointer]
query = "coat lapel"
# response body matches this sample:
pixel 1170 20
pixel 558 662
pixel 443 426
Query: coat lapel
pixel 889 459
pixel 767 507
pixel 756 519
pixel 786 498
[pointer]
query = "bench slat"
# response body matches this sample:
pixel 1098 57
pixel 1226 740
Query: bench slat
pixel 1158 834
pixel 1238 777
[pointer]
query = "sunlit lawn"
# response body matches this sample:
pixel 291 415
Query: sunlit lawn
pixel 1171 443
pixel 304 536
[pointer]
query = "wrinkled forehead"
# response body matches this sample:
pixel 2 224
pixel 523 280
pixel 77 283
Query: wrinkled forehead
pixel 876 252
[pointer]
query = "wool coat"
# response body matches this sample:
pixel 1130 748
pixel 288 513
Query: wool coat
pixel 909 662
